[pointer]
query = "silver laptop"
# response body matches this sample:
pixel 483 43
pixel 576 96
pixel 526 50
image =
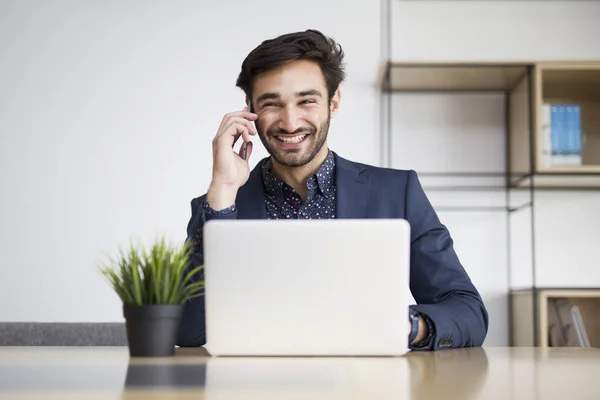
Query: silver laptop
pixel 307 287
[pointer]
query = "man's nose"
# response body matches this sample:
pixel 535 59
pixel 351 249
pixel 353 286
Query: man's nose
pixel 289 119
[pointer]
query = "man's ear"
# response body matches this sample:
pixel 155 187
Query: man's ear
pixel 334 104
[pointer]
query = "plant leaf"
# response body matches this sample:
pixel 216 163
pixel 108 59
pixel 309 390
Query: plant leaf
pixel 160 274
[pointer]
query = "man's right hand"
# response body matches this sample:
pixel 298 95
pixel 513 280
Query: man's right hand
pixel 230 170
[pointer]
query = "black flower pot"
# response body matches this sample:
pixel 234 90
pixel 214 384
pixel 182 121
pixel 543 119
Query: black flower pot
pixel 152 330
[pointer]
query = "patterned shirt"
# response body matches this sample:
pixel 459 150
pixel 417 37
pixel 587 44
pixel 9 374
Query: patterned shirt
pixel 283 202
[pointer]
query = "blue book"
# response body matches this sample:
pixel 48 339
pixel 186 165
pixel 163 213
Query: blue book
pixel 572 135
pixel 563 133
pixel 558 142
pixel 577 132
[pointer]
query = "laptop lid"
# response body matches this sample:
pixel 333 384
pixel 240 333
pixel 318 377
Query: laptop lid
pixel 307 287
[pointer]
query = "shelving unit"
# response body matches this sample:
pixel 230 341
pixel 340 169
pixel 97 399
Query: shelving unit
pixel 586 300
pixel 527 87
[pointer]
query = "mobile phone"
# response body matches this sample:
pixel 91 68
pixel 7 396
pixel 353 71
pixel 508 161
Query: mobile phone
pixel 245 144
pixel 245 150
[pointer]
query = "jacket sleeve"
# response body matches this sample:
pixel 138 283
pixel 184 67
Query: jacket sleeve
pixel 192 329
pixel 438 282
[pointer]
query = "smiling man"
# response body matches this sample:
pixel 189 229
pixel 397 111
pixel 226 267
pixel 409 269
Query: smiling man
pixel 292 90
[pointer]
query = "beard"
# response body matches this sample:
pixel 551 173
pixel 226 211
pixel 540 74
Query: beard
pixel 295 157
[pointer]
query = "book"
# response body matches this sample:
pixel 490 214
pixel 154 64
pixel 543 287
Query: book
pixel 561 135
pixel 573 134
pixel 565 325
pixel 579 327
pixel 546 156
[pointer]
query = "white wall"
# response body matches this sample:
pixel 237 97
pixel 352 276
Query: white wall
pixel 454 133
pixel 495 30
pixel 107 112
pixel 449 132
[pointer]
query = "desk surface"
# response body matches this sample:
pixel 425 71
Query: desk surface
pixel 480 373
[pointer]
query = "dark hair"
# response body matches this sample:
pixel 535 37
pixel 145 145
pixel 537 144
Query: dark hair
pixel 308 45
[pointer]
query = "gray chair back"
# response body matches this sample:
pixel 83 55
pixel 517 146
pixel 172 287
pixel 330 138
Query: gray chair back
pixel 62 334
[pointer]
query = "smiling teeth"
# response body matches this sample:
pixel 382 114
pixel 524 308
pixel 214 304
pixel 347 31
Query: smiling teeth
pixel 295 139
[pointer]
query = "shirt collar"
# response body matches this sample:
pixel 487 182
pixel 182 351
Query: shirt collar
pixel 324 177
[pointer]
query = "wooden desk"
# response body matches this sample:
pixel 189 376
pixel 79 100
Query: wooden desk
pixel 481 373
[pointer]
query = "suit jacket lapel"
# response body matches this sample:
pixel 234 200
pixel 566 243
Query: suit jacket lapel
pixel 250 198
pixel 353 189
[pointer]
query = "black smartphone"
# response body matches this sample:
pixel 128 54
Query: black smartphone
pixel 245 144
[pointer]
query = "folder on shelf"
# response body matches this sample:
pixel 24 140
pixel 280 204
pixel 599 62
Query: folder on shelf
pixel 561 135
pixel 558 134
pixel 565 325
pixel 578 323
pixel 546 136
pixel 573 134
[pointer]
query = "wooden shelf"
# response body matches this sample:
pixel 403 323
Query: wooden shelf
pixel 522 316
pixel 578 180
pixel 583 169
pixel 528 86
pixel 452 76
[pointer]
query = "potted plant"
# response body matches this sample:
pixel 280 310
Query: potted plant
pixel 153 287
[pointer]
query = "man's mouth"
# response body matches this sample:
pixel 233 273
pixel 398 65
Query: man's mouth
pixel 291 139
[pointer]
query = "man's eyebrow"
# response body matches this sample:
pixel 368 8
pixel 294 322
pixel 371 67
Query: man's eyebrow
pixel 312 92
pixel 275 96
pixel 267 96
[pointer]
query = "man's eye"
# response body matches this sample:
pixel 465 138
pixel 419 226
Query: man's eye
pixel 307 101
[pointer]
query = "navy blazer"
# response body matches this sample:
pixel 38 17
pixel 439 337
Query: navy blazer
pixel 438 282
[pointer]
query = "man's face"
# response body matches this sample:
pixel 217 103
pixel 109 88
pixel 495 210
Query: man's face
pixel 293 112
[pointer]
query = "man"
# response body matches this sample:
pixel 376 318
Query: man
pixel 292 87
